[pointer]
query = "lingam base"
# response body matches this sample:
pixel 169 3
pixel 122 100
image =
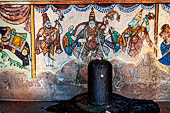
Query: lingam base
pixel 118 104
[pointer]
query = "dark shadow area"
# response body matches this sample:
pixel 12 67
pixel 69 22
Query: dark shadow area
pixel 39 107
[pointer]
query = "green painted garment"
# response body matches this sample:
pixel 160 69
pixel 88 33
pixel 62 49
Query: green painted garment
pixel 69 37
pixel 115 36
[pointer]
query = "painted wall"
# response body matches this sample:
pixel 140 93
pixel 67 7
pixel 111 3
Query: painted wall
pixel 65 38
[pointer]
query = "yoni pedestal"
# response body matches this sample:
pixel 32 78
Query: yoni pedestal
pixel 99 82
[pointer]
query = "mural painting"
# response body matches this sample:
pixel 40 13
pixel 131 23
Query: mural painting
pixel 163 38
pixel 53 44
pixel 165 45
pixel 47 39
pixel 15 38
pixel 97 35
pixel 136 33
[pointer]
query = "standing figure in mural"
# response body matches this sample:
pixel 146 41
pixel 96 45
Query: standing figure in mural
pixel 48 40
pixel 87 35
pixel 111 37
pixel 69 41
pixel 165 45
pixel 135 34
pixel 16 43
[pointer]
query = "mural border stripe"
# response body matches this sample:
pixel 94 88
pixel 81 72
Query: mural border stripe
pixel 81 1
pixel 33 42
pixel 156 27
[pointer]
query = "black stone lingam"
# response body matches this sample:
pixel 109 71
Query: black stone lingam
pixel 99 82
pixel 100 99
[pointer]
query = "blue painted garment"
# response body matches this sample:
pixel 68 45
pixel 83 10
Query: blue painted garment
pixel 165 53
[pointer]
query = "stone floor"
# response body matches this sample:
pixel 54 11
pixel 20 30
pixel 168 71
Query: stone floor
pixel 39 107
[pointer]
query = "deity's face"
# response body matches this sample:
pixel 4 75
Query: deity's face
pixel 133 23
pixel 91 24
pixel 48 25
pixel 166 36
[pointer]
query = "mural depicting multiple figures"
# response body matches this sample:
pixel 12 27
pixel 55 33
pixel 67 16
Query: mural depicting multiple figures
pixel 80 33
pixel 45 48
pixel 98 32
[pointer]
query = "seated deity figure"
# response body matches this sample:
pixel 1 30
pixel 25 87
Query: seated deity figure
pixel 91 44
